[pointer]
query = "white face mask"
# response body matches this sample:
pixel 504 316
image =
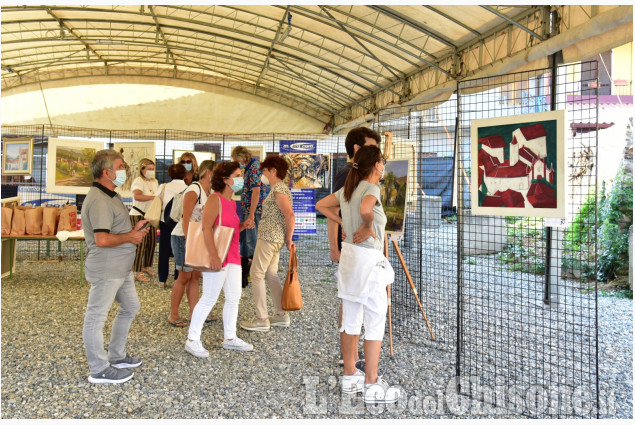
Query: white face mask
pixel 150 174
pixel 264 180
pixel 120 178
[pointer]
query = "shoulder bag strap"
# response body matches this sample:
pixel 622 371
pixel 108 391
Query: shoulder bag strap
pixel 220 211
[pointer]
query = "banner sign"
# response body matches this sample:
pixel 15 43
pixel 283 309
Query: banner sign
pixel 304 209
pixel 298 146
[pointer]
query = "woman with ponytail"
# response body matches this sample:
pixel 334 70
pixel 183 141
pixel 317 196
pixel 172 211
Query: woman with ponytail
pixel 363 273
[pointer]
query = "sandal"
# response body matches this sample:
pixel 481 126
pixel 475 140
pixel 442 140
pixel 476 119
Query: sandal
pixel 149 272
pixel 142 277
pixel 211 319
pixel 179 323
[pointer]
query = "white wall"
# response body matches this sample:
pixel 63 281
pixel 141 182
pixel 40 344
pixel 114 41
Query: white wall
pixel 134 106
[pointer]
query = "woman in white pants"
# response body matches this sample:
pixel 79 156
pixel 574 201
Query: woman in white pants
pixel 226 180
pixel 363 273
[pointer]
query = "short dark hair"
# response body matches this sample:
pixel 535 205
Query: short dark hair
pixel 278 163
pixel 104 160
pixel 222 171
pixel 177 171
pixel 357 136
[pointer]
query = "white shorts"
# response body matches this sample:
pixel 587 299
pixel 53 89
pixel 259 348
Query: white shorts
pixel 371 313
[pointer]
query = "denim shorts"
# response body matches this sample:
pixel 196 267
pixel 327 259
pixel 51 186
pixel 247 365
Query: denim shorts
pixel 178 248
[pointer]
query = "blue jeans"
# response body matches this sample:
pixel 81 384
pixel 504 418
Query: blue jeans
pixel 249 237
pixel 100 298
pixel 178 249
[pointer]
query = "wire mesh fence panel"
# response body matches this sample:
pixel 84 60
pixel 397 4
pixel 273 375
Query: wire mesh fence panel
pixel 423 215
pixel 525 326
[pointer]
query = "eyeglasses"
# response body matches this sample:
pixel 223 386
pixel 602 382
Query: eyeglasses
pixel 189 161
pixel 383 160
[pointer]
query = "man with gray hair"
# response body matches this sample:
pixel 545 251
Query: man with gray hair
pixel 111 242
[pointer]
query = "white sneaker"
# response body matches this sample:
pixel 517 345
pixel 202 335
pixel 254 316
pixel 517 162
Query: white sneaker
pixel 196 348
pixel 237 344
pixel 353 384
pixel 381 392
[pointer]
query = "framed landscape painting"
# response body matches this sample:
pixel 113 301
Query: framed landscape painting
pixel 393 193
pixel 68 169
pixel 518 165
pixel 17 156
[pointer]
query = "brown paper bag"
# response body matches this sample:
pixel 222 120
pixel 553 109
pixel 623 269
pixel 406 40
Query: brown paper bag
pixel 7 215
pixel 49 220
pixel 33 219
pixel 68 219
pixel 18 225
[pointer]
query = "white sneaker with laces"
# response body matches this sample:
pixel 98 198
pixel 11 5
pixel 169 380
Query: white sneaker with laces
pixel 196 348
pixel 353 384
pixel 381 392
pixel 237 344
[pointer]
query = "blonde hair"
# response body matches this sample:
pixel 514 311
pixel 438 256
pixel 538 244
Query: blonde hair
pixel 208 164
pixel 143 164
pixel 241 153
pixel 191 156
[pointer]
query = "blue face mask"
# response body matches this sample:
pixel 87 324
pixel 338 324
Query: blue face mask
pixel 188 167
pixel 120 179
pixel 242 166
pixel 239 182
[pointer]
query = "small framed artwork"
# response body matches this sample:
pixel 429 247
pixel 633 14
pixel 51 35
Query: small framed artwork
pixel 394 193
pixel 518 165
pixel 257 152
pixel 72 158
pixel 200 156
pixel 17 156
pixel 133 152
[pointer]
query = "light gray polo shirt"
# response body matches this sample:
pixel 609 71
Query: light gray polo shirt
pixel 352 219
pixel 104 211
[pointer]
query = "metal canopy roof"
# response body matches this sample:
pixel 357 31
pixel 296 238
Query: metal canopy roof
pixel 334 63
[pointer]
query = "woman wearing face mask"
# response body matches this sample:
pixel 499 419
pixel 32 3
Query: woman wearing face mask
pixel 226 180
pixel 275 231
pixel 188 160
pixel 194 198
pixel 363 273
pixel 144 189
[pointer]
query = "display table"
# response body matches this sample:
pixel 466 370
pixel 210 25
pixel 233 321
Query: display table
pixel 48 239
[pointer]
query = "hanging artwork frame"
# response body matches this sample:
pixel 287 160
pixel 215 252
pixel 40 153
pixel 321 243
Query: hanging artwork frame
pixel 518 166
pixel 17 156
pixel 394 194
pixel 69 165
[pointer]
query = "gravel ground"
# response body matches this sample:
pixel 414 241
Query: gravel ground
pixel 292 373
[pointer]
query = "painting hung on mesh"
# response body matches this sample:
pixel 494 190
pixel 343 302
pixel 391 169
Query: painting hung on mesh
pixel 394 192
pixel 518 165
pixel 307 170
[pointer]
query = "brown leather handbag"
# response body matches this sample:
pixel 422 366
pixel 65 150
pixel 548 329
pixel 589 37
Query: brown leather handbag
pixel 291 294
pixel 196 254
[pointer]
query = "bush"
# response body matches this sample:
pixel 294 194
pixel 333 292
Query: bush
pixel 615 215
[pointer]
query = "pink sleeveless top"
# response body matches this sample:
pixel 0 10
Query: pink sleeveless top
pixel 230 219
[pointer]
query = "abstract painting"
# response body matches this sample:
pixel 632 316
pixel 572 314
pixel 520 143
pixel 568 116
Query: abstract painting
pixel 307 170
